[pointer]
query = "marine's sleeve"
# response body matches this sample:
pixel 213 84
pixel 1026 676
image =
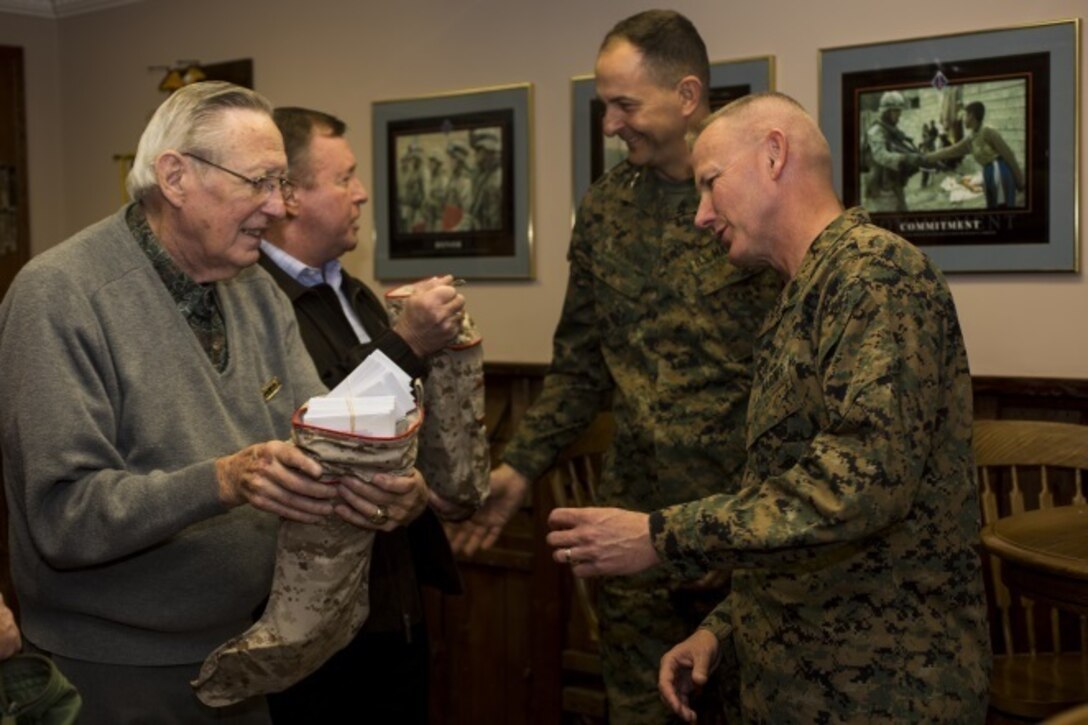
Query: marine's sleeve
pixel 720 620
pixel 578 382
pixel 59 425
pixel 879 374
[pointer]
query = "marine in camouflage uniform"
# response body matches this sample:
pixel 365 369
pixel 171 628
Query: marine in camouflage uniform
pixel 893 157
pixel 857 593
pixel 656 317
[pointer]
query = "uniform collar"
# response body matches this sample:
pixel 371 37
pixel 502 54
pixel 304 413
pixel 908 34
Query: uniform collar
pixel 640 187
pixel 819 252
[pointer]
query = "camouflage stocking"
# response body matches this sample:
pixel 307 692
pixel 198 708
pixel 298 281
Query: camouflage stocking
pixel 319 596
pixel 454 456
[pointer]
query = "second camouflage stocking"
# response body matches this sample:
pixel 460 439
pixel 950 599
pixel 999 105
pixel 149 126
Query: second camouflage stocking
pixel 454 455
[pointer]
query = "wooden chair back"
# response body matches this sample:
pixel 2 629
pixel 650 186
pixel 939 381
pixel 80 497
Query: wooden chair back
pixel 573 480
pixel 1039 668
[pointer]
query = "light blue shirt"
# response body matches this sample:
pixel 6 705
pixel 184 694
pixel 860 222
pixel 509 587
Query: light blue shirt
pixel 307 276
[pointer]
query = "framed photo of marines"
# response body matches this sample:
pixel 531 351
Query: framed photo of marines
pixel 595 153
pixel 966 144
pixel 452 185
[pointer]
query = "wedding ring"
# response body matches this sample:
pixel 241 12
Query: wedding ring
pixel 567 556
pixel 379 517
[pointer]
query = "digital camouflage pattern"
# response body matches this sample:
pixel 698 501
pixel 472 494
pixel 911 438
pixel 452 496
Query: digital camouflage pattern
pixel 857 594
pixel 454 454
pixel 639 623
pixel 319 597
pixel 658 319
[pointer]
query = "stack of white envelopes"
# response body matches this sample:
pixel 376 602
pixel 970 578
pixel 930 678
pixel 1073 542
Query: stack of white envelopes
pixel 372 401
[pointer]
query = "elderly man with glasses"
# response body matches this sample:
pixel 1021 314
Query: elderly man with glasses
pixel 149 380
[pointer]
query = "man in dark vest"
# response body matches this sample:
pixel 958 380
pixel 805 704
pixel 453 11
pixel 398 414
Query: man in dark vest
pixel 342 322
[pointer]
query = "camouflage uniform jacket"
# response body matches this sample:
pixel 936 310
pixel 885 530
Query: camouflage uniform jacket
pixel 857 592
pixel 657 317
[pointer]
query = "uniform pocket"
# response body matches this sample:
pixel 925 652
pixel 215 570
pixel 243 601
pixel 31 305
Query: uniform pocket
pixel 771 404
pixel 619 292
pixel 734 302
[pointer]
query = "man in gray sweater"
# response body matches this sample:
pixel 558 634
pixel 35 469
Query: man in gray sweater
pixel 149 377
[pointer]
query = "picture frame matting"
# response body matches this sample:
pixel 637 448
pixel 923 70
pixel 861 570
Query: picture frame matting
pixel 453 184
pixel 993 116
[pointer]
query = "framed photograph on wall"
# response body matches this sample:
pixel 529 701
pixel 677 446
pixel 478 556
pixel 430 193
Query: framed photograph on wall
pixel 452 185
pixel 964 144
pixel 595 153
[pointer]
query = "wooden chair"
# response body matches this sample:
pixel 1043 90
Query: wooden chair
pixel 1077 716
pixel 573 481
pixel 1040 662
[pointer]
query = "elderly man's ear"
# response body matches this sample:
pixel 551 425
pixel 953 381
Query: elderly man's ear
pixel 170 171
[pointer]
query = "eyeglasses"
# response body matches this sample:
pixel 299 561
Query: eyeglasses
pixel 261 184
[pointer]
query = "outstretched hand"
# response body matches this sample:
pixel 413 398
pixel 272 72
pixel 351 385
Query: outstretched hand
pixel 508 490
pixel 598 541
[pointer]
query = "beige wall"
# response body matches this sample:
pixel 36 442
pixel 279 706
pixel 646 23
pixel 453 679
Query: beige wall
pixel 340 56
pixel 41 65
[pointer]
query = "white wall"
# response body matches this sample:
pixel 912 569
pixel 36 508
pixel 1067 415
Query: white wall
pixel 340 56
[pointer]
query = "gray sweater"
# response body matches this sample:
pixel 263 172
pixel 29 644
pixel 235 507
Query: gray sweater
pixel 111 417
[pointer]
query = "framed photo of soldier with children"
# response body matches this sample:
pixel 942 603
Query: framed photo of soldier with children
pixel 964 144
pixel 451 185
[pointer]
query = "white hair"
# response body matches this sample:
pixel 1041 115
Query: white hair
pixel 187 121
